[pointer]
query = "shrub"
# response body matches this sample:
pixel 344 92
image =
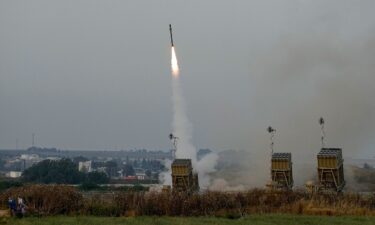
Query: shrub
pixel 55 199
pixel 6 184
pixel 47 199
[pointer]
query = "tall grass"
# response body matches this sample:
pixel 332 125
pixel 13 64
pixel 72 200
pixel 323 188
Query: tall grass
pixel 54 199
pixel 46 199
pixel 269 219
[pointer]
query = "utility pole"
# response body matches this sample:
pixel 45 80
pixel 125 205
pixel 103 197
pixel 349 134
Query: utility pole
pixel 272 133
pixel 323 133
pixel 174 142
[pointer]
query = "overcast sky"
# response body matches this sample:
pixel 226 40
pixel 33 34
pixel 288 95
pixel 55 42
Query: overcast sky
pixel 96 74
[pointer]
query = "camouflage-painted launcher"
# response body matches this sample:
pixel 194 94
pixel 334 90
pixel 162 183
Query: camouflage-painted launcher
pixel 281 170
pixel 330 169
pixel 183 178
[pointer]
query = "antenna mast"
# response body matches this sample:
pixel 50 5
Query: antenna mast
pixel 323 133
pixel 174 142
pixel 272 133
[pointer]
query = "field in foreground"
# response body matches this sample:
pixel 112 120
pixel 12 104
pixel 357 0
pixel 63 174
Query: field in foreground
pixel 254 220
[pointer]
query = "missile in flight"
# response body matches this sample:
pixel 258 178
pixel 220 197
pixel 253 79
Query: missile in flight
pixel 170 31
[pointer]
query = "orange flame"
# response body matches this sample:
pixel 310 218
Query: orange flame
pixel 174 64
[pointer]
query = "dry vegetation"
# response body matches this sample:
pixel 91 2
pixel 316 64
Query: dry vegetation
pixel 53 200
pixel 267 219
pixel 364 178
pixel 46 199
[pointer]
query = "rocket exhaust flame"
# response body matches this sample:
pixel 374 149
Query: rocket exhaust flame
pixel 174 63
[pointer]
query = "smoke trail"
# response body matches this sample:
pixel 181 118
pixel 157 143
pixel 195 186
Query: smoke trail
pixel 181 125
pixel 182 129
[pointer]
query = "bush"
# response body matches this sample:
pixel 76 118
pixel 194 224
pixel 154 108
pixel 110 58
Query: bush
pixel 62 171
pixel 6 184
pixel 54 199
pixel 87 186
pixel 97 178
pixel 47 199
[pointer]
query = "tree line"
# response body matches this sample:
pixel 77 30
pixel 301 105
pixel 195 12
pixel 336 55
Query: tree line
pixel 63 171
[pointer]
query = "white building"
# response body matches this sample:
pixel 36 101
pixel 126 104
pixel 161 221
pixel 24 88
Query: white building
pixel 85 166
pixel 29 157
pixel 140 175
pixel 14 174
pixel 101 169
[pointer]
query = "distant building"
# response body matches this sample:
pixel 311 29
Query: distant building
pixel 130 178
pixel 14 174
pixel 29 156
pixel 29 160
pixel 102 169
pixel 85 166
pixel 140 175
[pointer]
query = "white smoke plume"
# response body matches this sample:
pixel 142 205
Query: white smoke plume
pixel 222 185
pixel 166 176
pixel 182 128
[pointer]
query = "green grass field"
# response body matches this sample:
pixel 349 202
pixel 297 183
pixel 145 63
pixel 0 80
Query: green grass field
pixel 255 220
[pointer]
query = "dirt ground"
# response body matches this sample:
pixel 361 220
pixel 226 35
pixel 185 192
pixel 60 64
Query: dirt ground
pixel 4 213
